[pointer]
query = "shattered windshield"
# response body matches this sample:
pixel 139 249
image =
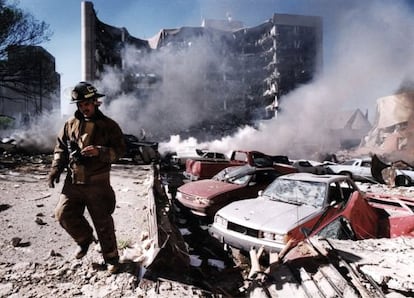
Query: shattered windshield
pixel 235 175
pixel 221 176
pixel 297 192
pixel 242 179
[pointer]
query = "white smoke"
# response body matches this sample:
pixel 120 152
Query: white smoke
pixel 179 97
pixel 368 52
pixel 371 56
pixel 40 136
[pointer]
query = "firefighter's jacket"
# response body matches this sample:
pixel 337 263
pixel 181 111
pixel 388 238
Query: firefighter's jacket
pixel 77 133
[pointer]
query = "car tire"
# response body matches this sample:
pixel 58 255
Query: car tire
pixel 402 180
pixel 345 173
pixel 154 155
pixel 146 155
pixel 137 157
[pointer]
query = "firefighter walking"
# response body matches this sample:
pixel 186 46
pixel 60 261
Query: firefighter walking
pixel 86 147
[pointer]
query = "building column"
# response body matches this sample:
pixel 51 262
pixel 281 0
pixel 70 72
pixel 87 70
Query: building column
pixel 88 43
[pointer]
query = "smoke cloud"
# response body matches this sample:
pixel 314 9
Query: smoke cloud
pixel 368 53
pixel 180 94
pixel 40 136
pixel 370 56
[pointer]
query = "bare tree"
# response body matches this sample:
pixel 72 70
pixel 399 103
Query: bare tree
pixel 20 67
pixel 20 28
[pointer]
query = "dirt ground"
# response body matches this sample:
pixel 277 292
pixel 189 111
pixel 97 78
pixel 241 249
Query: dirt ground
pixel 37 256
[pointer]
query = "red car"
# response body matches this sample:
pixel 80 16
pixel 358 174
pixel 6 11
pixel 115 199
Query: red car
pixel 205 197
pixel 297 205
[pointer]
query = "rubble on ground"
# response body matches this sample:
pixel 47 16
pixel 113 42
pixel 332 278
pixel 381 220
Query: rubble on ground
pixel 37 255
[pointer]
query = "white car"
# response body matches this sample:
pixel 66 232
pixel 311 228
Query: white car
pixel 288 205
pixel 357 169
pixel 180 158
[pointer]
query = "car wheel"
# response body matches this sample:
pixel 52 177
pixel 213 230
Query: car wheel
pixel 345 173
pixel 137 158
pixel 146 155
pixel 402 180
pixel 154 155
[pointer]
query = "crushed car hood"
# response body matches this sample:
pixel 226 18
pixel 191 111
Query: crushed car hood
pixel 260 214
pixel 207 188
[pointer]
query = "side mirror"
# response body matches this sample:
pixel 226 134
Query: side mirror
pixel 260 193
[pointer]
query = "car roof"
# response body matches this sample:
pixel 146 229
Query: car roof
pixel 363 158
pixel 248 169
pixel 313 177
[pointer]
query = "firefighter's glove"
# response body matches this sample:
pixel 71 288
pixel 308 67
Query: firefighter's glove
pixel 54 176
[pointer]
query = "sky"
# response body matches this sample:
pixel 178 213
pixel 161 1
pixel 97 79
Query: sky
pixel 145 18
pixel 367 47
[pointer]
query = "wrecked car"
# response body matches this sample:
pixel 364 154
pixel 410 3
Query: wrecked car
pixel 203 169
pixel 205 197
pixel 204 155
pixel 398 173
pixel 298 205
pixel 141 151
pixel 356 169
pixel 179 159
pixel 8 145
pixel 310 166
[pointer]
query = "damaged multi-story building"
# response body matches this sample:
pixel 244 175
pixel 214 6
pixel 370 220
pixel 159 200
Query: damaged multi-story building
pixel 349 127
pixel 226 74
pixel 392 134
pixel 29 85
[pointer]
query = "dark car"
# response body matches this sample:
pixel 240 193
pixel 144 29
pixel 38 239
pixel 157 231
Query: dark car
pixel 8 145
pixel 205 197
pixel 310 166
pixel 141 151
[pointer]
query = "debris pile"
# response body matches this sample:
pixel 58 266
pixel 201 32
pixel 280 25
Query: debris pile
pixel 392 133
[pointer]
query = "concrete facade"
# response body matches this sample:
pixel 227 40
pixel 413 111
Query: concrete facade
pixel 262 63
pixel 31 85
pixel 223 75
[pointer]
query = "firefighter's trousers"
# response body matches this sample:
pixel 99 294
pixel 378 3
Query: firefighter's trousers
pixel 99 199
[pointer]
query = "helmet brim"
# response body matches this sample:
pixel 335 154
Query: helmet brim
pixel 96 96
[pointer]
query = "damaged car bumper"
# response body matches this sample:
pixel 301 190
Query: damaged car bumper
pixel 244 239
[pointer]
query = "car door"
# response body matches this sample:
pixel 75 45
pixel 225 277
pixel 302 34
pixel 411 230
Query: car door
pixel 258 181
pixel 264 178
pixel 365 169
pixel 338 195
